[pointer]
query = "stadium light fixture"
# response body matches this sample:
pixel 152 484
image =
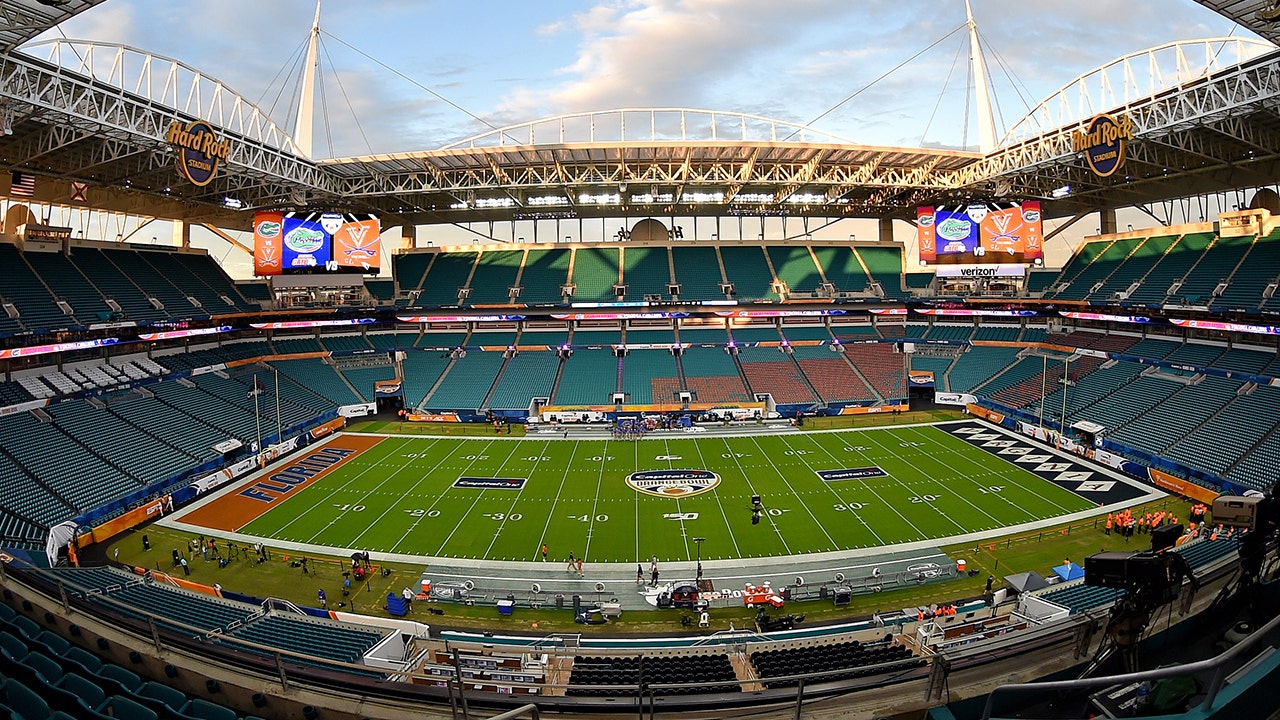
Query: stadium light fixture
pixel 1060 192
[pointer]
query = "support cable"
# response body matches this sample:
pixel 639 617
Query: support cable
pixel 868 86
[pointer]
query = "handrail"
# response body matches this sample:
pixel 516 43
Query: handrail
pixel 531 710
pixel 1213 663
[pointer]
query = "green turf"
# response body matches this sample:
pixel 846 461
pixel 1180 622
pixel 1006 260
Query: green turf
pixel 398 497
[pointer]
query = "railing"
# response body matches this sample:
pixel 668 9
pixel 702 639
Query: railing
pixel 1133 78
pixel 1216 664
pixel 649 125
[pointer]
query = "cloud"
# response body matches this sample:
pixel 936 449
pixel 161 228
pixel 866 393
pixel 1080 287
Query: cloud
pixel 667 52
pixel 793 60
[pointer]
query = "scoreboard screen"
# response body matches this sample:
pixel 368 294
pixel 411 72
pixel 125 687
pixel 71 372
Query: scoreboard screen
pixel 980 233
pixel 315 242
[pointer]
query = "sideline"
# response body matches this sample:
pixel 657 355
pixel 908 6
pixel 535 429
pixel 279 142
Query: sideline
pixel 181 521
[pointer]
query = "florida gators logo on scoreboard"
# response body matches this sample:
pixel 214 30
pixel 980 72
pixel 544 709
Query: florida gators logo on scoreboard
pixel 925 233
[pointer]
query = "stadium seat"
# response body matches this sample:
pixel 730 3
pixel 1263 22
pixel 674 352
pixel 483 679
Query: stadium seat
pixel 205 710
pixel 122 708
pixel 117 676
pixel 23 701
pixel 87 691
pixel 172 698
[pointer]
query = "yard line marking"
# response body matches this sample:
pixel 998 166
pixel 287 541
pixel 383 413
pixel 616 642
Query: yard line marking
pixel 1012 480
pixel 786 482
pixel 921 534
pixel 404 495
pixel 595 504
pixel 684 532
pixel 734 456
pixel 503 522
pixel 831 489
pixel 476 501
pixel 385 480
pixel 327 497
pixel 636 499
pixel 915 467
pixel 934 481
pixel 727 526
pixel 568 467
pixel 1024 487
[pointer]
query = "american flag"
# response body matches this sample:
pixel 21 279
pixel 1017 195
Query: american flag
pixel 23 185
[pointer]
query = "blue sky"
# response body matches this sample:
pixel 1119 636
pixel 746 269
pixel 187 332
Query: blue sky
pixel 509 61
pixel 387 63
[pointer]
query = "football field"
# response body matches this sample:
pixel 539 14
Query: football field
pixel 503 499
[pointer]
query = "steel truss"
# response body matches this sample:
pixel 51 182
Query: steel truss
pixel 69 124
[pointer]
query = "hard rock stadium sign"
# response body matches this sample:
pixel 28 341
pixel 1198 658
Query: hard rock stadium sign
pixel 201 151
pixel 1103 143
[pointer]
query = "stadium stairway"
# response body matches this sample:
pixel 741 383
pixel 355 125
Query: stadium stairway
pixel 1251 276
pixel 1181 256
pixel 1215 265
pixel 842 268
pixel 770 370
pixel 1065 287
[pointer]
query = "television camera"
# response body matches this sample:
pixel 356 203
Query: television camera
pixel 1150 580
pixel 1256 515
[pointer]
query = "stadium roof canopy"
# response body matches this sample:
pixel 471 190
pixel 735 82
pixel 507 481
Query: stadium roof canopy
pixel 1260 16
pixel 1206 116
pixel 22 20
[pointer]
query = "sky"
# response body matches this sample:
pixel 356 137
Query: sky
pixel 386 63
pixel 406 75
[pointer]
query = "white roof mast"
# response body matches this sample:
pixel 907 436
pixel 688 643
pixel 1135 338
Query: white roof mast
pixel 306 103
pixel 986 120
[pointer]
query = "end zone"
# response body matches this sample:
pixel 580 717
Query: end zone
pixel 232 509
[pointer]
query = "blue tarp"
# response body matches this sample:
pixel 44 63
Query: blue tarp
pixel 1069 571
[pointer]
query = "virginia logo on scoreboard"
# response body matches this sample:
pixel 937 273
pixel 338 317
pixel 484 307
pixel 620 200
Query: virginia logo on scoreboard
pixel 673 483
pixel 1103 143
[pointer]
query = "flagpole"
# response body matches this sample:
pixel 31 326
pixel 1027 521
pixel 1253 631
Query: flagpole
pixel 1066 373
pixel 279 429
pixel 257 416
pixel 1044 378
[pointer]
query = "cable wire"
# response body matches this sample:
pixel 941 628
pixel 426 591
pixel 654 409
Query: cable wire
pixel 942 94
pixel 338 79
pixel 418 85
pixel 866 87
